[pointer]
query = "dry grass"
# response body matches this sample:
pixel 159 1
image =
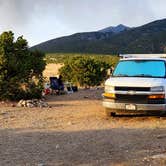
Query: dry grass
pixel 51 70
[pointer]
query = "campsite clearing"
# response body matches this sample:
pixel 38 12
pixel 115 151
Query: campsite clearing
pixel 75 131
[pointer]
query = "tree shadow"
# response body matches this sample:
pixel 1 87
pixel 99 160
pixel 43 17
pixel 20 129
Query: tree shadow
pixel 93 147
pixel 138 115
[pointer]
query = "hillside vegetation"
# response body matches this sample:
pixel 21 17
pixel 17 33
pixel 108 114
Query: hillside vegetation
pixel 60 58
pixel 81 69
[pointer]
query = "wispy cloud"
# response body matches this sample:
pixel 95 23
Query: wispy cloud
pixel 40 20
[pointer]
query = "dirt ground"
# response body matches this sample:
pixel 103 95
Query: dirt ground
pixel 75 131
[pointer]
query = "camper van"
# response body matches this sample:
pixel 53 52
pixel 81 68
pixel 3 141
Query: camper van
pixel 137 85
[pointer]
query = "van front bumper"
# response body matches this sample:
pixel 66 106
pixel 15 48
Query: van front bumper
pixel 138 107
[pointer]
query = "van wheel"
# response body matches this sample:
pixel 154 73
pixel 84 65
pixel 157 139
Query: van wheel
pixel 109 112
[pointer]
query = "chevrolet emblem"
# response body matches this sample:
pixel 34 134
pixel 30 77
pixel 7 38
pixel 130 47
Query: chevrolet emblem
pixel 131 92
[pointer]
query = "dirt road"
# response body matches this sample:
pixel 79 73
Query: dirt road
pixel 75 131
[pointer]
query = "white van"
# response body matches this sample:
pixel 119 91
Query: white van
pixel 137 85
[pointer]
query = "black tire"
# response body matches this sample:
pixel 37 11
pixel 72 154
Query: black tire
pixel 163 113
pixel 109 112
pixel 113 114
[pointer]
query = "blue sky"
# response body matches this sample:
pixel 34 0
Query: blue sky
pixel 41 20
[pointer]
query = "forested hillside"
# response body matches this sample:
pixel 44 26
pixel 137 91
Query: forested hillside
pixel 149 38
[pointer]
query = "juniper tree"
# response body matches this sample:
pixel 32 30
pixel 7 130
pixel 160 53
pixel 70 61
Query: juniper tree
pixel 20 69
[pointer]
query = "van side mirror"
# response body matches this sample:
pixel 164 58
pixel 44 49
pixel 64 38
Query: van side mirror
pixel 111 70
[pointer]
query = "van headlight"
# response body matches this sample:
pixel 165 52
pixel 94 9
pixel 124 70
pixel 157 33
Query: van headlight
pixel 108 88
pixel 157 89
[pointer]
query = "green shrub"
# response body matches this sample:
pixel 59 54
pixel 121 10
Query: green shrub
pixel 85 71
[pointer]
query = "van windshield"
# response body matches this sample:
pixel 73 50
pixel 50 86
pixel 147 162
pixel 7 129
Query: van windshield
pixel 140 68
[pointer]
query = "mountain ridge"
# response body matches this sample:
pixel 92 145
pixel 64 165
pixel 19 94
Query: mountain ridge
pixel 115 29
pixel 148 38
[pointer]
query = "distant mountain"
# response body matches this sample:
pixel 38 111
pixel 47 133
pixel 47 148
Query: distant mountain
pixel 149 38
pixel 115 29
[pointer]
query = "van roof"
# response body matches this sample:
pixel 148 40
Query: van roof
pixel 126 59
pixel 124 56
pixel 143 57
